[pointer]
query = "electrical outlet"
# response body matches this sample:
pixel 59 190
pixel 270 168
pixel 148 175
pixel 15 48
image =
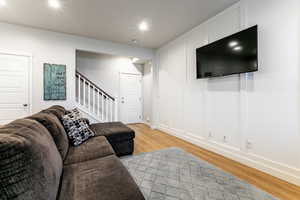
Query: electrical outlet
pixel 249 144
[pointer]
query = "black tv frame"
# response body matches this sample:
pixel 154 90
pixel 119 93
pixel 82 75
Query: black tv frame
pixel 225 38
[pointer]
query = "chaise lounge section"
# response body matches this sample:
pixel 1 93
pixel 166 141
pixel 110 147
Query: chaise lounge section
pixel 118 135
pixel 37 162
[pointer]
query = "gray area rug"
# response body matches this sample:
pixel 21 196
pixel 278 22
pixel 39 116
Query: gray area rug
pixel 173 174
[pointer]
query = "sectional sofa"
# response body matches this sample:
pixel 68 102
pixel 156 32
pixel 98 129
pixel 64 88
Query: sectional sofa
pixel 37 162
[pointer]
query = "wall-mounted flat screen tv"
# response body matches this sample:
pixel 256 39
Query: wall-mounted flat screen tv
pixel 234 54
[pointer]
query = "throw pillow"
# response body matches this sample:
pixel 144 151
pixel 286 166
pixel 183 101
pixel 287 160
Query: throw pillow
pixel 74 113
pixel 78 130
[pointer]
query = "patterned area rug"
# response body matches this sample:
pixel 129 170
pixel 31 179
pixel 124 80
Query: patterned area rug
pixel 173 174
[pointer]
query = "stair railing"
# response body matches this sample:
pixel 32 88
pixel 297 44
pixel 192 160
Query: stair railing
pixel 94 100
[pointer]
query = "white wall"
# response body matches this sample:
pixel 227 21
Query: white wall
pixel 260 107
pixel 50 47
pixel 104 69
pixel 147 92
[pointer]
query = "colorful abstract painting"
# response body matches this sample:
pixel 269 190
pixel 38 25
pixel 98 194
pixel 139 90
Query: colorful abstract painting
pixel 54 82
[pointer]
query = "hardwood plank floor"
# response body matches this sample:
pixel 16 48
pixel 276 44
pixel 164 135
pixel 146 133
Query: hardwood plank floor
pixel 148 140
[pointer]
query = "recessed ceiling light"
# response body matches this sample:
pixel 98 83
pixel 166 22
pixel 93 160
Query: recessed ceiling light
pixel 233 43
pixel 143 26
pixel 2 3
pixel 238 48
pixel 56 4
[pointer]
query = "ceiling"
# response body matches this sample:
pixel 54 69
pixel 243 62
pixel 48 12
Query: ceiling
pixel 115 20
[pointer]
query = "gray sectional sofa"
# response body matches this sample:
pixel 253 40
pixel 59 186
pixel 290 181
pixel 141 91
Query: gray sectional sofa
pixel 37 163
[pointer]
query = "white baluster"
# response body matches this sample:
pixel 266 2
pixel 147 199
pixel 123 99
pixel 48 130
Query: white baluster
pixel 91 100
pixel 116 109
pixel 79 88
pixel 111 110
pixel 84 93
pixel 89 97
pixel 106 110
pixel 98 103
pixel 76 90
pixel 102 108
pixel 94 99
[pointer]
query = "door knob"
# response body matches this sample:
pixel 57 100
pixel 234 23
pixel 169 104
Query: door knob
pixel 25 105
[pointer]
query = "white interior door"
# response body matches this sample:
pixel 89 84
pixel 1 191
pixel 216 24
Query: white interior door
pixel 130 98
pixel 14 87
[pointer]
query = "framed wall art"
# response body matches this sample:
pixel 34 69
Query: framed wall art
pixel 54 82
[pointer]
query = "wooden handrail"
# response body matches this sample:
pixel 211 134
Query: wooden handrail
pixel 93 84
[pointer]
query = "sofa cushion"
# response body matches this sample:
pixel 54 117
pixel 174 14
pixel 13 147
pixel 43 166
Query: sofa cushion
pixel 113 131
pixel 30 164
pixel 94 148
pixel 56 129
pixel 105 178
pixel 58 111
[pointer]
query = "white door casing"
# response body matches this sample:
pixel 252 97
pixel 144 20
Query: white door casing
pixel 130 98
pixel 14 87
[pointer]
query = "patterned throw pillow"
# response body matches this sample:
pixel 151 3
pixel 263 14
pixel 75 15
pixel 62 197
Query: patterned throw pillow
pixel 77 129
pixel 74 113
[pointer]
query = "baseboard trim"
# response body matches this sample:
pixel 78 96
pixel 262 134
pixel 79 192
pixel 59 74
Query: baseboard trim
pixel 273 168
pixel 145 122
pixel 153 127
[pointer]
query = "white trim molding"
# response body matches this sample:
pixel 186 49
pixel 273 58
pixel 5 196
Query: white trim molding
pixel 268 166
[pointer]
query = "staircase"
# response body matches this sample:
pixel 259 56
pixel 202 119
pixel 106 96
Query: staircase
pixel 94 102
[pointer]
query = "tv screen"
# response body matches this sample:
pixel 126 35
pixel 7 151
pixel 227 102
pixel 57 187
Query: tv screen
pixel 234 54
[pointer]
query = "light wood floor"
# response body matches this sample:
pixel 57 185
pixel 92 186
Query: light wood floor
pixel 148 140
